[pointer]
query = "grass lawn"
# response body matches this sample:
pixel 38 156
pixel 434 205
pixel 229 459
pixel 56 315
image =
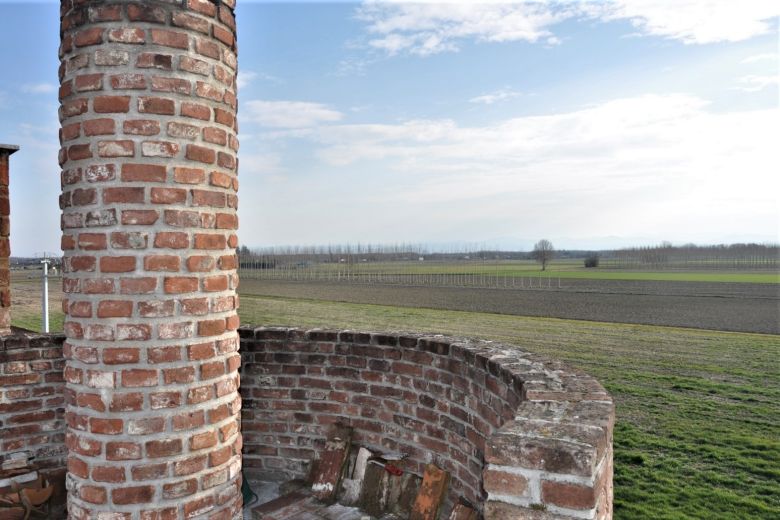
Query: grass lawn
pixel 698 428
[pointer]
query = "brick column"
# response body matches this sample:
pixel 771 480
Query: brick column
pixel 5 239
pixel 148 105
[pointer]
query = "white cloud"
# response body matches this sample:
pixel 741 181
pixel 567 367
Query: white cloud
pixel 246 77
pixel 753 83
pixel 496 96
pixel 289 114
pixel 38 88
pixel 767 56
pixel 635 156
pixel 432 27
pixel 695 21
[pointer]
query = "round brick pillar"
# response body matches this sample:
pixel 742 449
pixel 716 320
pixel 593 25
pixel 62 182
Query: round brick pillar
pixel 148 106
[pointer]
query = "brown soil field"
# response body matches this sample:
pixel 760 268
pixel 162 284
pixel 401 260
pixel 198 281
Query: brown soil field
pixel 717 306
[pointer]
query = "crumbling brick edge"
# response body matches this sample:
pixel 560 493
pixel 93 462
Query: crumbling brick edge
pixel 522 436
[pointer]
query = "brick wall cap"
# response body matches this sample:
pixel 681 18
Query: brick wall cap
pixel 8 149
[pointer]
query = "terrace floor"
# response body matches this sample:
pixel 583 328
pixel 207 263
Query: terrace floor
pixel 274 504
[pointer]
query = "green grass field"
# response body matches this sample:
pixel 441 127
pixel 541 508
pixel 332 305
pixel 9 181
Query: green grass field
pixel 698 412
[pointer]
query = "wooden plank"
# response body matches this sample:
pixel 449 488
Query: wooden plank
pixel 463 512
pixel 327 470
pixel 432 491
pixel 351 487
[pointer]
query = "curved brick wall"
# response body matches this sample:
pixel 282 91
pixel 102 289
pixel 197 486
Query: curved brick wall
pixel 148 105
pixel 522 437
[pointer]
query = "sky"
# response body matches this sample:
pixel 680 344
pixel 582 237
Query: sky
pixel 592 124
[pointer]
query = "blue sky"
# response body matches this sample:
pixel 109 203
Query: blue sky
pixel 593 124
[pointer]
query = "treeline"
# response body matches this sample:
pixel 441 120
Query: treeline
pixel 663 256
pixel 692 256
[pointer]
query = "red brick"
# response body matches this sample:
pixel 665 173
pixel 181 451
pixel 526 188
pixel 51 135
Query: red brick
pixel 87 37
pixel 204 241
pixel 139 217
pixel 116 148
pixel 156 105
pixel 146 426
pixel 150 60
pixel 215 135
pixel 79 151
pixel 178 218
pixel 174 39
pixel 143 173
pixel 133 332
pixel 141 127
pixel 93 494
pixel 100 172
pixel 211 198
pixel 139 378
pixel 132 495
pixel 168 263
pixel 106 426
pixel 572 496
pixel 227 221
pixel 200 263
pixel 168 196
pixel 117 264
pixel 164 149
pixel 200 154
pixel 127 35
pixel 207 48
pixel 211 327
pixel 111 104
pixel 156 309
pixel 215 283
pixel 92 241
pixel 171 240
pixel 187 21
pixel 180 284
pixel 103 126
pixel 194 65
pixel 137 285
pixel 146 13
pixel 176 85
pixel 131 240
pixel 88 82
pixel 120 356
pixel 129 402
pixel 108 474
pixel 163 448
pixel 195 306
pixel 128 82
pixel 189 175
pixel 115 309
pixel 123 195
pixel 223 35
pixel 123 451
pixel 195 110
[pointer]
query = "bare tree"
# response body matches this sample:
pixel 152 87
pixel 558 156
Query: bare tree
pixel 543 252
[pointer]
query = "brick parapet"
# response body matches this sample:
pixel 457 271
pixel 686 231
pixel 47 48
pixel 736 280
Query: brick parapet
pixel 149 182
pixel 522 436
pixel 32 405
